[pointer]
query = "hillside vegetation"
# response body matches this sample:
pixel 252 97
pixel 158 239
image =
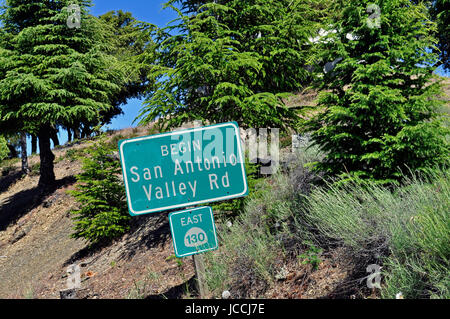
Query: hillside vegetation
pixel 294 232
pixel 359 205
pixel 293 238
pixel 37 248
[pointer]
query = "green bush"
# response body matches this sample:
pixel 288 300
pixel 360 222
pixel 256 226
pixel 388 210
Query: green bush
pixel 251 249
pixel 311 256
pixel 419 263
pixel 35 169
pixel 352 214
pixel 73 154
pixel 232 208
pixel 380 112
pixel 247 254
pixel 407 227
pixel 103 213
pixel 403 228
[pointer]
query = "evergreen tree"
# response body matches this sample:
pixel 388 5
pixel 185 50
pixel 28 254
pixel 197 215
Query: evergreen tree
pixel 52 74
pixel 440 12
pixel 379 106
pixel 130 38
pixel 233 60
pixel 103 213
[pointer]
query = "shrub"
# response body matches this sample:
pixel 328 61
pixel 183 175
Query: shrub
pixel 419 262
pixel 73 154
pixel 35 169
pixel 350 214
pixel 406 228
pixel 103 213
pixel 311 255
pixel 251 249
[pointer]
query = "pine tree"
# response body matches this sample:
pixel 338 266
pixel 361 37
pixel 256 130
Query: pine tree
pixel 379 107
pixel 51 74
pixel 130 38
pixel 440 12
pixel 103 213
pixel 233 60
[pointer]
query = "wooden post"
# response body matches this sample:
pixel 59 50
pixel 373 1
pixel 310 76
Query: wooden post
pixel 200 275
pixel 74 293
pixel 199 265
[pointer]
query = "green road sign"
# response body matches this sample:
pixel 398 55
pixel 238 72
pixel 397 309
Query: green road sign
pixel 193 231
pixel 183 168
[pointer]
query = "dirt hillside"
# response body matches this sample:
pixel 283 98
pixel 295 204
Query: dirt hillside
pixel 36 248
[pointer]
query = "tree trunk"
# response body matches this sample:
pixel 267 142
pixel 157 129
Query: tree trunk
pixel 47 175
pixel 54 136
pixel 69 135
pixel 23 153
pixel 12 151
pixel 33 144
pixel 76 134
pixel 86 132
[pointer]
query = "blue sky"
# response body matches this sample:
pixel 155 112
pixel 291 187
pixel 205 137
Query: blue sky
pixel 145 10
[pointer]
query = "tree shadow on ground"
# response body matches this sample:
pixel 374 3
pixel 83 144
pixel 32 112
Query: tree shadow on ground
pixel 85 252
pixel 146 232
pixel 188 288
pixel 19 204
pixel 8 180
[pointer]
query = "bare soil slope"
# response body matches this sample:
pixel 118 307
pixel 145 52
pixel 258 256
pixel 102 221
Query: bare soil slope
pixel 36 248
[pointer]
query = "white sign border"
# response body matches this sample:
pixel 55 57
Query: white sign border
pixel 192 130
